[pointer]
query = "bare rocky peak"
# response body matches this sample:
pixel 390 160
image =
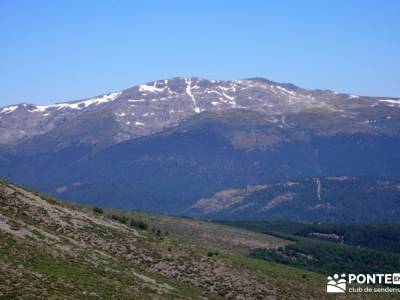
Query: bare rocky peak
pixel 151 107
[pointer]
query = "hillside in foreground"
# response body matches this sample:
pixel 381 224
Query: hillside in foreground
pixel 56 250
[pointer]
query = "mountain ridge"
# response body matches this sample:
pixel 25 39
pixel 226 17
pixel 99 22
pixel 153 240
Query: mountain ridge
pixel 148 108
pixel 149 83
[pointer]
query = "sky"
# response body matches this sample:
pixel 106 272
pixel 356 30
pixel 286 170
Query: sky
pixel 52 51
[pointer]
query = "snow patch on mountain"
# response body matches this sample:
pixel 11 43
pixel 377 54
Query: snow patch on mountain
pixel 189 92
pixel 391 102
pixel 9 109
pixel 149 88
pixel 80 104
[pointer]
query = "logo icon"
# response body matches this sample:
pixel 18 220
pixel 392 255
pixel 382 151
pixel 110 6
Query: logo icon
pixel 336 284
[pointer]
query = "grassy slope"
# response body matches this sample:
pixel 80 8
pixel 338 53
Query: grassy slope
pixel 27 271
pixel 206 233
pixel 54 250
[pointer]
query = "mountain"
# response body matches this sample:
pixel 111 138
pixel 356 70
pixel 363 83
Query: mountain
pixel 165 145
pixel 50 249
pixel 327 199
pixel 152 107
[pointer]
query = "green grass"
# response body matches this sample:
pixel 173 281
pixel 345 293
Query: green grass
pixel 73 268
pixel 203 232
pixel 111 279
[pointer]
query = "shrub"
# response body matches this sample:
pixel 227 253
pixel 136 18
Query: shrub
pixel 98 210
pixel 121 219
pixel 138 224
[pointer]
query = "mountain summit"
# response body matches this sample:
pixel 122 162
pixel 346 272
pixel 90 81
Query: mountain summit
pixel 148 108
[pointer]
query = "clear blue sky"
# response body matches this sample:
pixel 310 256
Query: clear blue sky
pixel 66 50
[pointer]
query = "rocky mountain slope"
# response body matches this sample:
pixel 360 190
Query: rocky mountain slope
pixel 326 199
pixel 50 249
pixel 164 145
pixel 152 107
